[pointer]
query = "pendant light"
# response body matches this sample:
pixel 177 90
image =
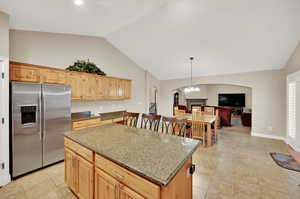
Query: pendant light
pixel 191 88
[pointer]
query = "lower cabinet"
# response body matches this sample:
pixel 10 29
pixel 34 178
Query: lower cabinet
pixel 106 187
pixel 91 176
pixel 79 175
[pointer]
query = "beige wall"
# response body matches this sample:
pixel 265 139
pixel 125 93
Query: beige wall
pixel 4 34
pixel 214 90
pixel 61 50
pixel 293 64
pixel 268 101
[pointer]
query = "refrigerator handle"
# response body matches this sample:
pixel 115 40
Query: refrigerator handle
pixel 43 114
pixel 40 117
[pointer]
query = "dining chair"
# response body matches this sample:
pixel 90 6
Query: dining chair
pixel 174 126
pixel 130 119
pixel 179 113
pixel 198 127
pixel 209 110
pixel 150 122
pixel 197 108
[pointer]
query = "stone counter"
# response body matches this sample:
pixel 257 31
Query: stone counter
pixel 154 156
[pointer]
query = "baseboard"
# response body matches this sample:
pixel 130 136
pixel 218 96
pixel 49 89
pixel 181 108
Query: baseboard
pixel 275 137
pixel 4 179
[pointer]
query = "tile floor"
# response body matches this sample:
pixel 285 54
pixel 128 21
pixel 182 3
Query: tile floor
pixel 238 167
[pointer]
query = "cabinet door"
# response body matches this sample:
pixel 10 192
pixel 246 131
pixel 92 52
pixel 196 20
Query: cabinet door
pixel 24 73
pixel 112 88
pixel 85 179
pixel 126 193
pixel 89 92
pixel 127 89
pixel 121 87
pixel 54 76
pixel 78 83
pixel 70 170
pixel 100 88
pixel 106 187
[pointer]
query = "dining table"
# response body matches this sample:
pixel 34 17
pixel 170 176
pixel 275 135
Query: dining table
pixel 207 120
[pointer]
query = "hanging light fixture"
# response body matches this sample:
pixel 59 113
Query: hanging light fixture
pixel 191 88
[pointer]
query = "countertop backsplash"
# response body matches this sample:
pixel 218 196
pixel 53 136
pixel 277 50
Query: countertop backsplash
pixel 97 107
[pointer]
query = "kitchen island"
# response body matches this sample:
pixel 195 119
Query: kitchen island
pixel 118 162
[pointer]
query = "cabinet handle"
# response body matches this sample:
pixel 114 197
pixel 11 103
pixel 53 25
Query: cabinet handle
pixel 192 169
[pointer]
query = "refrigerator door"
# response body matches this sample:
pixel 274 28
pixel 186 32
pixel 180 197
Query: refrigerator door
pixel 56 120
pixel 26 127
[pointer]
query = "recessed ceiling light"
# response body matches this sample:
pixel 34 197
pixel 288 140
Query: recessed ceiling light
pixel 78 2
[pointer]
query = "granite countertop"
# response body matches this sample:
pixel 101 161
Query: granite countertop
pixel 155 156
pixel 104 116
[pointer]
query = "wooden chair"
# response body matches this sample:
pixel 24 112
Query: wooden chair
pixel 209 110
pixel 198 128
pixel 174 126
pixel 179 113
pixel 197 108
pixel 150 122
pixel 130 119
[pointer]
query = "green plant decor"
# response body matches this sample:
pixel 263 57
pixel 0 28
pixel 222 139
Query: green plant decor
pixel 85 66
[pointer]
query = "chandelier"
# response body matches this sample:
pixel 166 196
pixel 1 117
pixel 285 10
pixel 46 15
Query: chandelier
pixel 191 88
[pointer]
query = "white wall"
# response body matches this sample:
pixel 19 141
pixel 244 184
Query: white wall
pixel 197 94
pixel 4 34
pixel 61 50
pixel 293 64
pixel 214 90
pixel 4 93
pixel 268 101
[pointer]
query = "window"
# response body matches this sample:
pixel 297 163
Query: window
pixel 292 110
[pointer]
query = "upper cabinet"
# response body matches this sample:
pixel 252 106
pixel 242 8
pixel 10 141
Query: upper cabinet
pixel 24 73
pixel 85 86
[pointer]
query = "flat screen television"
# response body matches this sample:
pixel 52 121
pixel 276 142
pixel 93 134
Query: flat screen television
pixel 232 99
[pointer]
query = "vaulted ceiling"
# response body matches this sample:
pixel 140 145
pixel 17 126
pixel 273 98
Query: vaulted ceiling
pixel 227 36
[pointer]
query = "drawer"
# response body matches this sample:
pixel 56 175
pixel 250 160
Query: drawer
pixel 86 123
pixel 106 121
pixel 80 150
pixel 118 119
pixel 128 178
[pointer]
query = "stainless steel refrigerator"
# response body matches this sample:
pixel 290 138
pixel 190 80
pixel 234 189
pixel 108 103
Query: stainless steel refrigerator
pixel 40 114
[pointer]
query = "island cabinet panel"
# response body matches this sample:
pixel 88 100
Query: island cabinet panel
pixel 181 185
pixel 24 73
pixel 133 181
pixel 70 170
pixel 80 150
pixel 106 187
pixel 85 179
pixel 126 193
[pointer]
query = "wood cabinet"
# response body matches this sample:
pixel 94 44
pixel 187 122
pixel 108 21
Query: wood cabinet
pixel 54 76
pixel 24 73
pixel 70 170
pixel 77 125
pixel 90 175
pixel 126 193
pixel 85 86
pixel 79 174
pixel 106 187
